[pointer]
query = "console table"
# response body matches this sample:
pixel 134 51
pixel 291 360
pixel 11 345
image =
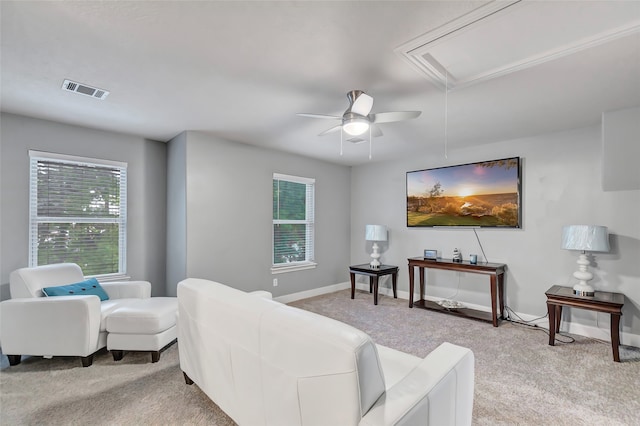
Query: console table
pixel 374 274
pixel 494 270
pixel 602 301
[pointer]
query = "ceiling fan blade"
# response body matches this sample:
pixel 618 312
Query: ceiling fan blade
pixel 388 117
pixel 331 130
pixel 362 104
pixel 325 116
pixel 375 131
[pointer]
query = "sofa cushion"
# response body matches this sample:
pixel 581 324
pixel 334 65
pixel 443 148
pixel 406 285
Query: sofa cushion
pixel 108 306
pixel 85 288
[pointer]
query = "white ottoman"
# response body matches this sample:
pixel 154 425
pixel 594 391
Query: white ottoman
pixel 142 325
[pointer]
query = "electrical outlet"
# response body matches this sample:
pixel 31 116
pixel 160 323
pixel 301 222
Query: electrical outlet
pixel 275 282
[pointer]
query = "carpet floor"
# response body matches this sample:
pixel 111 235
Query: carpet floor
pixel 520 379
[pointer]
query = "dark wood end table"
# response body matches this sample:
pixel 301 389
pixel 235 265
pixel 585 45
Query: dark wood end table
pixel 374 274
pixel 602 301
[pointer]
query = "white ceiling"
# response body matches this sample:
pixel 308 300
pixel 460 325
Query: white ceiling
pixel 241 70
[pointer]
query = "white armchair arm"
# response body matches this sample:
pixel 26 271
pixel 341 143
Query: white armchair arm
pixel 127 289
pixel 438 391
pixel 261 293
pixel 62 325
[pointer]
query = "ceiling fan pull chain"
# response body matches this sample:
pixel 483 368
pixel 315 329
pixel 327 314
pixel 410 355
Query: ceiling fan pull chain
pixel 446 112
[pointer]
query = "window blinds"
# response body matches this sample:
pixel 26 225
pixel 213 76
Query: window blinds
pixel 78 212
pixel 293 219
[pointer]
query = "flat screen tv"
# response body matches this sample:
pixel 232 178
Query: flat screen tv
pixel 482 194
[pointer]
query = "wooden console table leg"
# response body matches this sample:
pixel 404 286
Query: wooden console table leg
pixel 353 284
pixel 410 286
pixel 551 310
pixel 370 284
pixel 421 283
pixel 501 294
pixel 615 336
pixel 375 289
pixel 494 295
pixel 394 280
pixel 558 317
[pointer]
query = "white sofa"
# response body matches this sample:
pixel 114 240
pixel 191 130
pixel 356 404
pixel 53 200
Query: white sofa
pixel 266 363
pixel 31 324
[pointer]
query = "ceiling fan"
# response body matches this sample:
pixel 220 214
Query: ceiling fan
pixel 357 119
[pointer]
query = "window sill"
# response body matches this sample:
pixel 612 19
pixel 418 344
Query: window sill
pixel 110 277
pixel 293 268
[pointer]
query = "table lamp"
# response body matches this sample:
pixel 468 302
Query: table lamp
pixel 584 238
pixel 375 233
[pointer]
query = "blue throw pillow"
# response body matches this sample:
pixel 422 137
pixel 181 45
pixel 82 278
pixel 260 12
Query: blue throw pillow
pixel 84 288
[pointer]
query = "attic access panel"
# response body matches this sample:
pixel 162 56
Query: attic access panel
pixel 502 37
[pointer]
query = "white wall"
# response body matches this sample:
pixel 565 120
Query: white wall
pixel 561 186
pixel 146 172
pixel 229 209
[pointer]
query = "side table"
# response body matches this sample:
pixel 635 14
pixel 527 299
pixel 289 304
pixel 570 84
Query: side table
pixel 602 301
pixel 374 274
pixel 496 272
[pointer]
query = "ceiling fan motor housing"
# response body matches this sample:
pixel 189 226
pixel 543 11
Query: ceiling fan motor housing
pixel 352 95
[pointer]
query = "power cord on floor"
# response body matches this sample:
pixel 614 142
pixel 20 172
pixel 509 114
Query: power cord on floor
pixel 528 323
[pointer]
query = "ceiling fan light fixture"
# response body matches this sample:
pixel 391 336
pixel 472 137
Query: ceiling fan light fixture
pixel 355 126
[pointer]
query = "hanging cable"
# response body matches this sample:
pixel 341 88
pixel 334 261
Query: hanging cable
pixel 480 244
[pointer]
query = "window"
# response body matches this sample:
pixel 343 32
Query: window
pixel 293 225
pixel 78 213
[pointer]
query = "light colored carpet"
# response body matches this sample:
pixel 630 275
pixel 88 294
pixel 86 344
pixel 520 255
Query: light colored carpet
pixel 520 379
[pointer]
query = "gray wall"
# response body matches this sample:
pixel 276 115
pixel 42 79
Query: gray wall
pixel 146 253
pixel 621 149
pixel 561 186
pixel 229 211
pixel 218 220
pixel 176 212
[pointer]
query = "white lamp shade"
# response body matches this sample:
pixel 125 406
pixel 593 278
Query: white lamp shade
pixel 376 233
pixel 585 238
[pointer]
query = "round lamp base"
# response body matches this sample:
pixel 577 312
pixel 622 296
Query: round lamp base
pixel 583 293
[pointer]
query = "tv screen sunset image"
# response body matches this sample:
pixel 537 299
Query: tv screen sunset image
pixel 477 194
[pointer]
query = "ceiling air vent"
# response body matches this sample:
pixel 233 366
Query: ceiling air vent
pixel 83 89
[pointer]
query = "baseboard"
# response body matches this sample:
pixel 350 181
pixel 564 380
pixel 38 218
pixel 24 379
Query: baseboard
pixel 385 291
pixel 627 339
pixel 288 298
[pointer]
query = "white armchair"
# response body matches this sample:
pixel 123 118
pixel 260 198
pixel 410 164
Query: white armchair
pixel 31 324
